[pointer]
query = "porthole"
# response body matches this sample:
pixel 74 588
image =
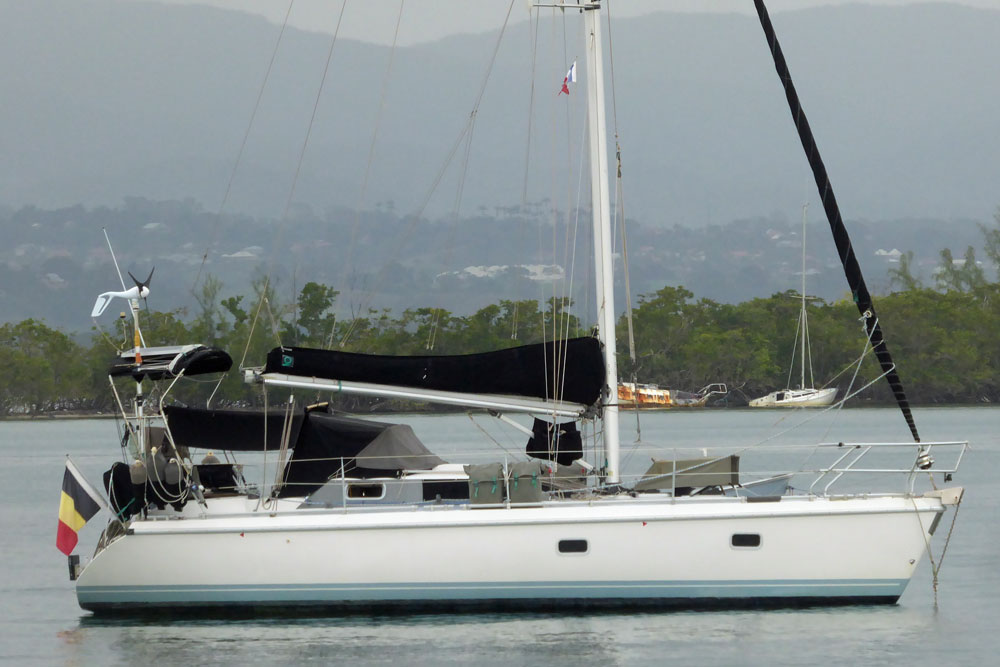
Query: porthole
pixel 573 546
pixel 745 540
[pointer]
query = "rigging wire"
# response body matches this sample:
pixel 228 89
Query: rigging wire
pixel 456 211
pixel 295 179
pixel 415 217
pixel 795 347
pixel 559 303
pixel 243 144
pixel 572 271
pixel 496 442
pixel 533 26
pixel 620 207
pixel 869 347
pixel 553 214
pixel 838 406
pixel 362 193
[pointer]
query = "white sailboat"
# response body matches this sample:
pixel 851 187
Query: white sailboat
pixel 362 513
pixel 803 396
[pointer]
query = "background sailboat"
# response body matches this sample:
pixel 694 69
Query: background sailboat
pixel 803 396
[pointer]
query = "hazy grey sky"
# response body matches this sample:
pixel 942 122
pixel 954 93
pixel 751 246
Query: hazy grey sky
pixel 428 20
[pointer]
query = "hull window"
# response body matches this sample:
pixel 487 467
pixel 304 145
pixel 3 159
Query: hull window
pixel 573 546
pixel 746 540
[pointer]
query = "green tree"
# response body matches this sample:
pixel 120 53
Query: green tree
pixel 902 276
pixel 965 275
pixel 315 322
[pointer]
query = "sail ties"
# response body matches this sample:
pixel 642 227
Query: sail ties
pixel 852 270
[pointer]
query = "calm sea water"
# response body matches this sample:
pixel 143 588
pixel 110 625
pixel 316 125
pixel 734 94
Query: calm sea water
pixel 40 622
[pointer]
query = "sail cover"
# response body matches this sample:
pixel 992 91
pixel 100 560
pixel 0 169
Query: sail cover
pixel 852 270
pixel 323 444
pixel 330 445
pixel 570 370
pixel 229 430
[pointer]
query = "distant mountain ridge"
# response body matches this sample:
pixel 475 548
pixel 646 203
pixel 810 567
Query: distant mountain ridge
pixel 53 263
pixel 104 100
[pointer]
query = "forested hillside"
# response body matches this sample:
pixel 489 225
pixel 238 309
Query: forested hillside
pixel 945 338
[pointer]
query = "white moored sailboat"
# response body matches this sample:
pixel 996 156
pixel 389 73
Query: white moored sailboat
pixel 361 513
pixel 803 396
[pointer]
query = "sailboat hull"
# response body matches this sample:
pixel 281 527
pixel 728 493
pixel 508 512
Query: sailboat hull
pixel 797 398
pixel 634 551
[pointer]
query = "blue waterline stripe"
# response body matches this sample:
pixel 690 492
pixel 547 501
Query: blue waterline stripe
pixel 409 591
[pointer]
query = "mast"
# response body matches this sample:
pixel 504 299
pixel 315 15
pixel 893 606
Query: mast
pixel 802 317
pixel 600 205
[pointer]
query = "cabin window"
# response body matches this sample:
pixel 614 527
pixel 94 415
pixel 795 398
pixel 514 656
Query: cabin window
pixel 369 491
pixel 745 540
pixel 446 490
pixel 573 546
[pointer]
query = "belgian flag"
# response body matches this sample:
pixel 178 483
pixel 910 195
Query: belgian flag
pixel 78 504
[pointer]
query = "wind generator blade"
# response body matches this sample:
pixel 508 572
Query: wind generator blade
pixel 851 268
pixel 101 304
pixel 142 283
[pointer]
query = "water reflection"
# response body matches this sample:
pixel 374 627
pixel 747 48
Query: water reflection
pixel 868 635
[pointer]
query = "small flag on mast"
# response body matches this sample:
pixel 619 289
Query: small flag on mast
pixel 78 504
pixel 570 78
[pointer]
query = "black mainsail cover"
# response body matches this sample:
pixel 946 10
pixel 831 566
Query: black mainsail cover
pixel 230 429
pixel 852 270
pixel 332 445
pixel 323 445
pixel 569 370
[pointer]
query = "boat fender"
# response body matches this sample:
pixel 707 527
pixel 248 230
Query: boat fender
pixel 137 472
pixel 172 474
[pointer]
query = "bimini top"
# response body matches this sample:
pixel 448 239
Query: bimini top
pixel 157 363
pixel 325 445
pixel 570 370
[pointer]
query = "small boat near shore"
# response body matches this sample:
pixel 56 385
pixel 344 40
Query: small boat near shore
pixel 635 396
pixel 796 398
pixel 803 396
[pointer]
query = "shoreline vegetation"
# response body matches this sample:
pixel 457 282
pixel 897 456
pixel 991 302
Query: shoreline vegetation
pixel 945 340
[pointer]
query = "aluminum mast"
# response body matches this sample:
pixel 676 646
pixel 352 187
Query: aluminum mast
pixel 600 203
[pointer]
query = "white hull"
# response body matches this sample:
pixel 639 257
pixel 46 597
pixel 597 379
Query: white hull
pixel 796 398
pixel 644 550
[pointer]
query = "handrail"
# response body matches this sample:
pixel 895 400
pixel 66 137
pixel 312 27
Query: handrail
pixel 846 464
